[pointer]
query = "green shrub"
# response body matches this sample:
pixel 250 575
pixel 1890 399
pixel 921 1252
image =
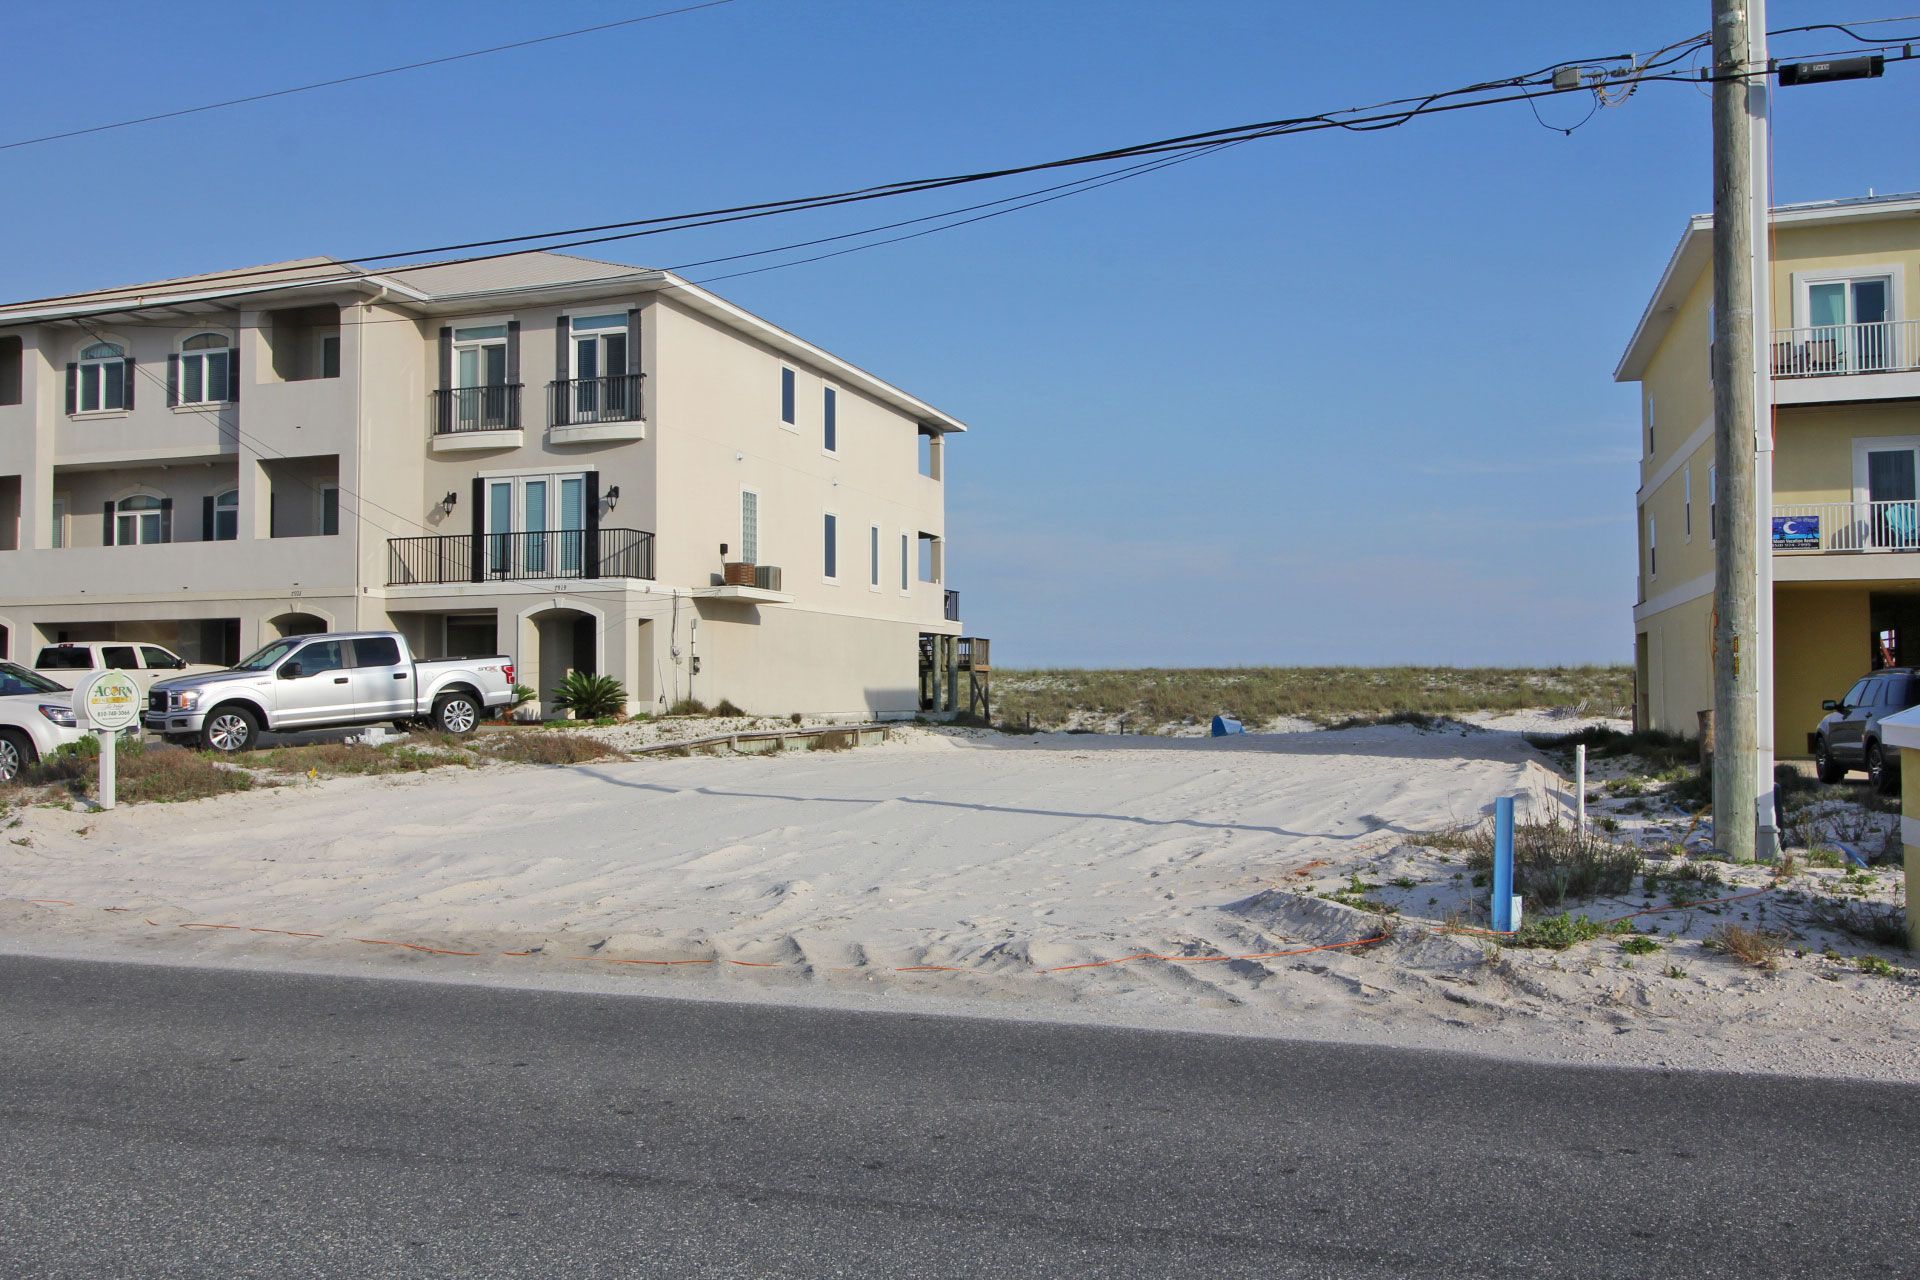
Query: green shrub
pixel 1639 946
pixel 548 748
pixel 725 707
pixel 590 697
pixel 688 707
pixel 142 776
pixel 1557 933
pixel 1261 694
pixel 1553 862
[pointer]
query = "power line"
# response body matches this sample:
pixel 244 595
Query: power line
pixel 1392 113
pixel 364 75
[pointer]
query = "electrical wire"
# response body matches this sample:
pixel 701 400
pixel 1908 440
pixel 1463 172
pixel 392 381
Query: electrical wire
pixel 353 79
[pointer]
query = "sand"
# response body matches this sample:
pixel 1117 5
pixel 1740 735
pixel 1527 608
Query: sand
pixel 966 872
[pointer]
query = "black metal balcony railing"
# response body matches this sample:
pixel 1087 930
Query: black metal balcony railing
pixel 578 402
pixel 456 409
pixel 953 606
pixel 544 553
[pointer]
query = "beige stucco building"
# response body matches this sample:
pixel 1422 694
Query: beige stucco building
pixel 587 465
pixel 1846 540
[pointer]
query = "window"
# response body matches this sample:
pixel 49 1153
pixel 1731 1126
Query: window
pixel 328 356
pixel 59 523
pixel 1856 696
pixel 154 658
pixel 1848 319
pixel 786 396
pixel 480 378
pixel 832 547
pixel 1687 502
pixel 538 525
pixel 64 658
pixel 1653 549
pixel 320 657
pixel 119 655
pixel 101 379
pixel 601 362
pixel 140 520
pixel 1713 498
pixel 206 370
pixel 906 559
pixel 329 509
pixel 873 556
pixel 376 652
pixel 749 526
pixel 830 438
pixel 1650 426
pixel 226 516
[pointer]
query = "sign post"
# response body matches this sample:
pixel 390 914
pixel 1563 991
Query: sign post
pixel 1503 899
pixel 110 702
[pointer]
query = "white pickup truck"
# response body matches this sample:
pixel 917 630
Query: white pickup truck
pixel 71 662
pixel 324 681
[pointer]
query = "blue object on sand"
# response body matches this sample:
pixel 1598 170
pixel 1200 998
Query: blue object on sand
pixel 1222 726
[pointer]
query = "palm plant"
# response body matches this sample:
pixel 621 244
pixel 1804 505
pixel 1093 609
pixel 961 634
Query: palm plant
pixel 590 697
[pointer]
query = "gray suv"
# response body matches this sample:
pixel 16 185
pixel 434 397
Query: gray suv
pixel 1849 737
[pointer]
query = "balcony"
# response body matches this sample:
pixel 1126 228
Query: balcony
pixel 583 402
pixel 475 417
pixel 1833 362
pixel 1846 541
pixel 519 557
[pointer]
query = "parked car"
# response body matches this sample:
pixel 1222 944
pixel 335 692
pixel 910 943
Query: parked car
pixel 1849 736
pixel 36 715
pixel 324 681
pixel 69 663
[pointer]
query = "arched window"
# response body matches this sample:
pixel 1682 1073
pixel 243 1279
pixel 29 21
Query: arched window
pixel 226 516
pixel 100 378
pixel 204 373
pixel 140 520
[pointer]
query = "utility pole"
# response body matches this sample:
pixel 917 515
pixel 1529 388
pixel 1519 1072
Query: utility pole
pixel 1743 821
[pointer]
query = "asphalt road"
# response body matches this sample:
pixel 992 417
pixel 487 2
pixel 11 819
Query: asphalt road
pixel 173 1122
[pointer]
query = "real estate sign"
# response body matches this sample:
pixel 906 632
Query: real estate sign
pixel 1796 533
pixel 110 702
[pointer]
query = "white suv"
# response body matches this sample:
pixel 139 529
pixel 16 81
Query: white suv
pixel 36 716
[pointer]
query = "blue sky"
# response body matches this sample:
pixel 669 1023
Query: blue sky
pixel 1333 398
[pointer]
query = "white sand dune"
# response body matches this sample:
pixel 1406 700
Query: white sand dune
pixel 947 869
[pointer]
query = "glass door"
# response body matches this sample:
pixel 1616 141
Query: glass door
pixel 1850 330
pixel 536 526
pixel 1893 520
pixel 600 368
pixel 480 377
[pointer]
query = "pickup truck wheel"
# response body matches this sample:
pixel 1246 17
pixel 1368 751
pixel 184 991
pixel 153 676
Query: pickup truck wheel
pixel 229 729
pixel 1829 769
pixel 456 713
pixel 16 753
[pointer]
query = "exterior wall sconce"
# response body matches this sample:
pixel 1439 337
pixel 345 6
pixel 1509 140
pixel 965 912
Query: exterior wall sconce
pixel 452 498
pixel 613 496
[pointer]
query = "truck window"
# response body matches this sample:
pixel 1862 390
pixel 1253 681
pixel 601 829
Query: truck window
pixel 119 655
pixel 154 658
pixel 379 651
pixel 322 656
pixel 59 658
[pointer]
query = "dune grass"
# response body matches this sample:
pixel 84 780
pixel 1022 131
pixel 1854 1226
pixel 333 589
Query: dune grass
pixel 1256 695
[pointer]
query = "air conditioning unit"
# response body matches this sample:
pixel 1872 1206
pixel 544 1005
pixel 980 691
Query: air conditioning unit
pixel 737 573
pixel 766 577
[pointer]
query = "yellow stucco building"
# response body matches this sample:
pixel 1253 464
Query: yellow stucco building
pixel 1845 348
